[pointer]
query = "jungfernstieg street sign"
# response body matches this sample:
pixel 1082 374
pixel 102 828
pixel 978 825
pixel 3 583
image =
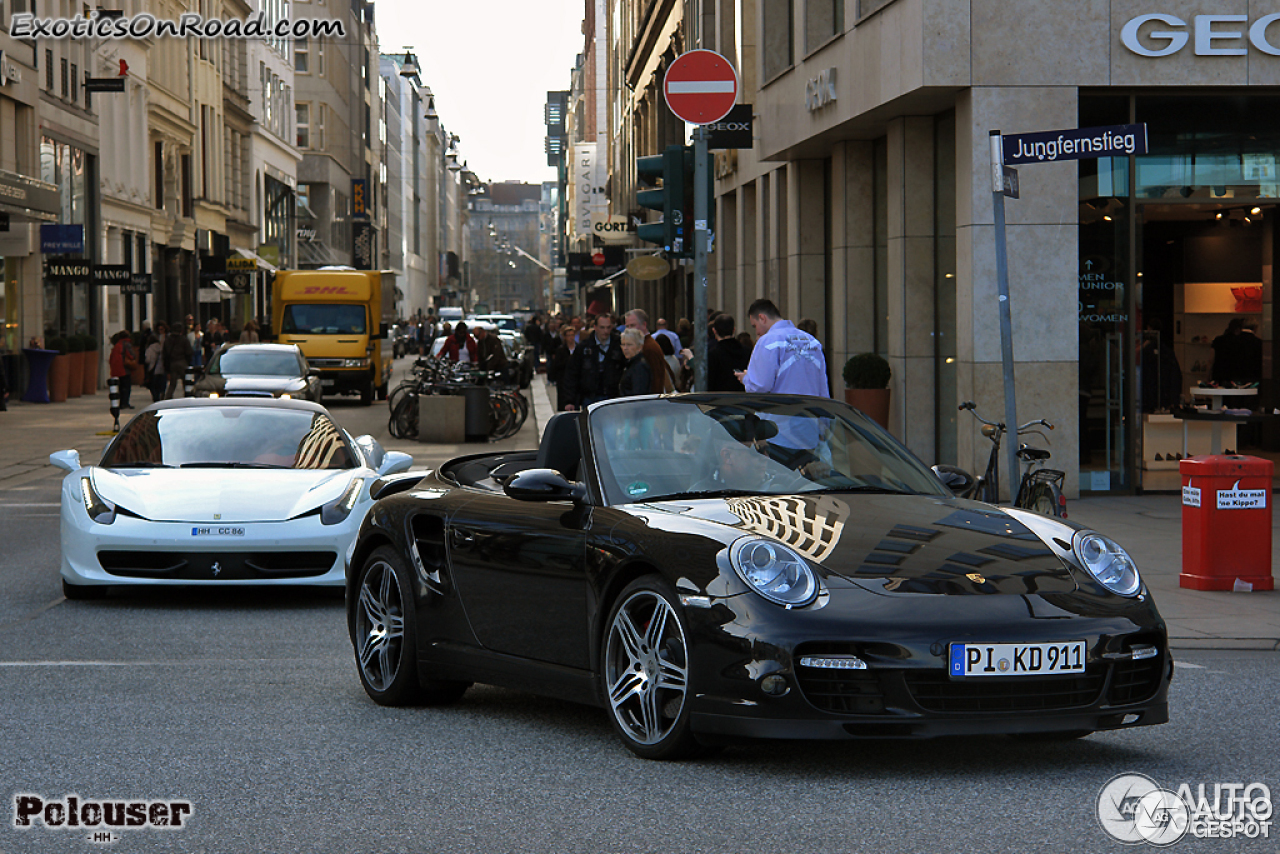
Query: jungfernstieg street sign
pixel 701 87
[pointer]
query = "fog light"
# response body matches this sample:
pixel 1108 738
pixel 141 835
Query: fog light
pixel 775 685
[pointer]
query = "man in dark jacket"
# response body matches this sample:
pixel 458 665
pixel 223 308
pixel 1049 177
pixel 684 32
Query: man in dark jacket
pixel 177 355
pixel 595 368
pixel 490 354
pixel 725 355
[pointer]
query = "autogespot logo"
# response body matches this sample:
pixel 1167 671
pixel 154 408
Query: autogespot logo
pixel 1133 809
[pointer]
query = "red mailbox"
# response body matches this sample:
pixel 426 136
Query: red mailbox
pixel 1226 522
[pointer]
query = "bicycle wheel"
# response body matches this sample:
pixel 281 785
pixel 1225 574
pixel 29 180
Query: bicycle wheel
pixel 404 421
pixel 1042 498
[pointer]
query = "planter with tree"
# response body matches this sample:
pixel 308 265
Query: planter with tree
pixel 59 371
pixel 75 376
pixel 866 379
pixel 92 364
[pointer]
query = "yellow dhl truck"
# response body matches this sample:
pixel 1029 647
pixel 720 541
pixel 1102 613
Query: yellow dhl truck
pixel 339 319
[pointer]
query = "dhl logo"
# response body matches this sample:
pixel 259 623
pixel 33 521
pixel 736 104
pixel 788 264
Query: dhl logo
pixel 325 289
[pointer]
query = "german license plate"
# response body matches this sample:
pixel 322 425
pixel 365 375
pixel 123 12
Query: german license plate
pixel 327 383
pixel 217 531
pixel 1016 659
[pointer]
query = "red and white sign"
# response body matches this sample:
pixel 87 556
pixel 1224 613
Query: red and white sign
pixel 701 87
pixel 598 259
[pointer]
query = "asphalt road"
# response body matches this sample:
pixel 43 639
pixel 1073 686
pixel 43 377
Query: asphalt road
pixel 248 706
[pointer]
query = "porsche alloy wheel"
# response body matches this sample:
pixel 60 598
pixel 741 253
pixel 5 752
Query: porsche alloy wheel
pixel 385 633
pixel 646 673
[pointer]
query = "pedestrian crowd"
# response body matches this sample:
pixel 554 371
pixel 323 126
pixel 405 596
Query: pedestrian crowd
pixel 590 358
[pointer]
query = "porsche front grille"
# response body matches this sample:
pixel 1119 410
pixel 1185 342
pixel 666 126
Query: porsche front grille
pixel 935 691
pixel 1135 681
pixel 196 566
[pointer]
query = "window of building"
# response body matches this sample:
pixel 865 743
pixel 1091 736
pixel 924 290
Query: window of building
pixel 300 55
pixel 777 47
pixel 48 69
pixel 302 121
pixel 66 78
pixel 823 20
pixel 320 55
pixel 75 82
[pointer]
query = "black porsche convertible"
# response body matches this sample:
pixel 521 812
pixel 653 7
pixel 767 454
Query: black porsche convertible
pixel 715 567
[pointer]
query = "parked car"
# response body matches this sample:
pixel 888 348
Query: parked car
pixel 712 567
pixel 218 492
pixel 259 370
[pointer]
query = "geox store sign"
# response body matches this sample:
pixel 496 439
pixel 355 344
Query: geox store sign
pixel 1158 34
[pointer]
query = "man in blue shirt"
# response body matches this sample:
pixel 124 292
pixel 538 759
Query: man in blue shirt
pixel 785 360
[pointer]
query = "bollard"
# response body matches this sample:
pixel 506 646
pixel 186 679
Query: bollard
pixel 189 382
pixel 113 397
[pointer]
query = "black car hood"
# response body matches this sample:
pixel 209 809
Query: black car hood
pixel 899 543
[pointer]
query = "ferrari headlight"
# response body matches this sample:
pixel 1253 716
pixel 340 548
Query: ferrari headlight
pixel 774 571
pixel 99 509
pixel 339 509
pixel 1107 562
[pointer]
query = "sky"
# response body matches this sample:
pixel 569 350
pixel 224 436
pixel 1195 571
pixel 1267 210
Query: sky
pixel 490 64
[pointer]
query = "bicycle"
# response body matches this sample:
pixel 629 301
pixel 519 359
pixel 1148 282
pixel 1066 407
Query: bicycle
pixel 1039 489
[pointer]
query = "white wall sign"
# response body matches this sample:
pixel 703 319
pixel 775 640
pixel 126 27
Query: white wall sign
pixel 821 90
pixel 588 186
pixel 1236 498
pixel 1191 496
pixel 1214 35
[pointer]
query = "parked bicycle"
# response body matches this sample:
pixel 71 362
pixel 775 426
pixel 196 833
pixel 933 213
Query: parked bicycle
pixel 1039 489
pixel 508 409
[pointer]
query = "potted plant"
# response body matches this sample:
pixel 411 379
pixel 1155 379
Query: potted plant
pixel 75 376
pixel 866 379
pixel 92 364
pixel 59 371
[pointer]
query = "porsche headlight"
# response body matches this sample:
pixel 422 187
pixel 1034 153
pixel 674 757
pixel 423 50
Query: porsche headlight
pixel 340 508
pixel 1107 562
pixel 774 571
pixel 99 509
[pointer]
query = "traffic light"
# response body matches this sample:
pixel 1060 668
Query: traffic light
pixel 668 198
pixel 674 167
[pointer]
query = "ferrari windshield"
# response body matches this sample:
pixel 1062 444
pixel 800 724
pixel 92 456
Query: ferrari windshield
pixel 230 437
pixel 256 363
pixel 648 449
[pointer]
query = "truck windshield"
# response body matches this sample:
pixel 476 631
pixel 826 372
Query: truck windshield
pixel 323 319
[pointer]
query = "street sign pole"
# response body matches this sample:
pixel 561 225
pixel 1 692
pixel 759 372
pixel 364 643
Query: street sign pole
pixel 1006 315
pixel 701 204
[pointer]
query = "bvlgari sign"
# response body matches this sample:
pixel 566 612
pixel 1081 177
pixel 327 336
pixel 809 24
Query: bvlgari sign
pixel 1159 34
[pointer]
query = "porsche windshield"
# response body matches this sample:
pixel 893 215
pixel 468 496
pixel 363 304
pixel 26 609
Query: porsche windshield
pixel 230 437
pixel 709 445
pixel 258 364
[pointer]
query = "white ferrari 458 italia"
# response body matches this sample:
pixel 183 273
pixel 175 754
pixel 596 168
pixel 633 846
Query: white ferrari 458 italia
pixel 224 491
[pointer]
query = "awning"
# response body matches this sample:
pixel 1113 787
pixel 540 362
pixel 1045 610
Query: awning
pixel 223 286
pixel 262 264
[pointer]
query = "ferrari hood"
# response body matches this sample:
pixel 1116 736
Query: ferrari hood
pixel 220 495
pixel 902 543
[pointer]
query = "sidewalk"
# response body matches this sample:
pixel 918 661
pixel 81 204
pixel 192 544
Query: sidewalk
pixel 1148 526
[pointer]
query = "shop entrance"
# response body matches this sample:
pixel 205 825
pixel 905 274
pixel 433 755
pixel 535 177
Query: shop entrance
pixel 1203 282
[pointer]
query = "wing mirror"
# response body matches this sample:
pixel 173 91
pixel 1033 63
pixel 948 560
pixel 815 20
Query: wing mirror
pixel 370 447
pixel 955 479
pixel 66 460
pixel 543 485
pixel 394 462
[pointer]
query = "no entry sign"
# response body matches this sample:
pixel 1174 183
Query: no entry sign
pixel 701 87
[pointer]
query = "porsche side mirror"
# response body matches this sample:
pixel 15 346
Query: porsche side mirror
pixel 384 486
pixel 543 485
pixel 394 462
pixel 955 479
pixel 66 460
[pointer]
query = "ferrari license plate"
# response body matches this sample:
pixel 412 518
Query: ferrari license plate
pixel 217 531
pixel 1016 659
